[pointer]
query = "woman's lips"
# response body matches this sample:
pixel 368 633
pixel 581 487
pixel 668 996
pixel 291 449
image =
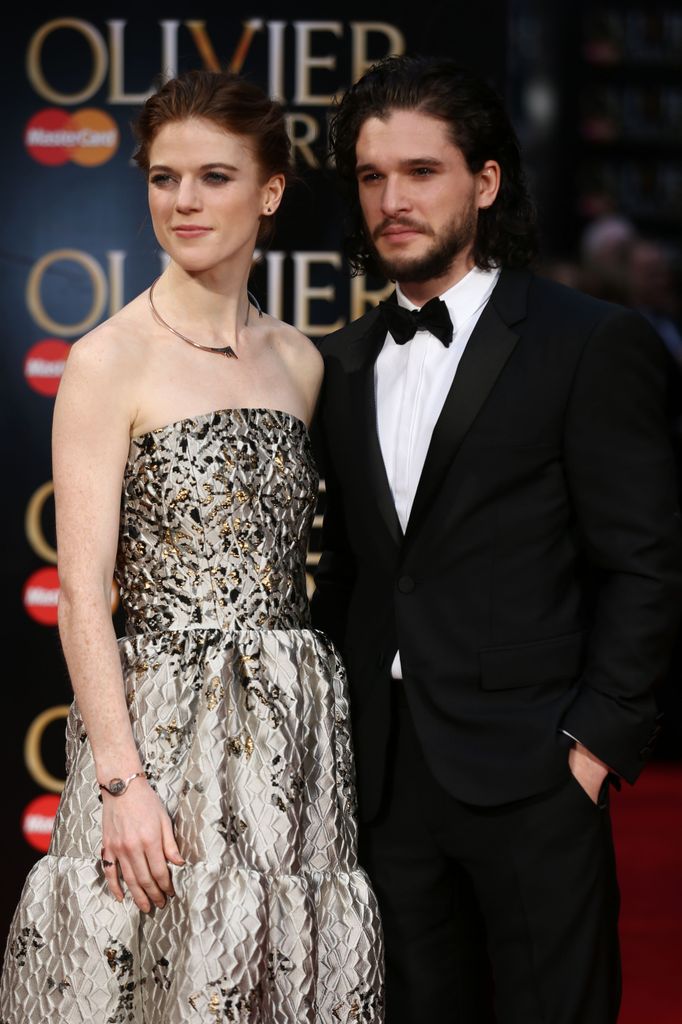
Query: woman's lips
pixel 191 230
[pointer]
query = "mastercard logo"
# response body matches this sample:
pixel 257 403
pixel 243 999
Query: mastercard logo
pixel 87 137
pixel 41 596
pixel 38 819
pixel 44 365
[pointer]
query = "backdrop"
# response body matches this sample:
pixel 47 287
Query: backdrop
pixel 77 243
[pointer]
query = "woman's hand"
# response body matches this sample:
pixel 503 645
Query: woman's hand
pixel 138 841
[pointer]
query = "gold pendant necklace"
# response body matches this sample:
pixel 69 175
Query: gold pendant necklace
pixel 227 350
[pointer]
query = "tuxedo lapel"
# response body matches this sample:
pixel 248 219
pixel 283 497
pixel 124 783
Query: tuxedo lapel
pixel 490 346
pixel 363 408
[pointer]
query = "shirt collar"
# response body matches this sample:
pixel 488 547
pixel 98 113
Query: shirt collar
pixel 465 297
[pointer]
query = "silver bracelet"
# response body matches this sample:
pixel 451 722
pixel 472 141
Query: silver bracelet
pixel 117 787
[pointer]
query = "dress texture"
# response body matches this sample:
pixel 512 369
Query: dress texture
pixel 240 712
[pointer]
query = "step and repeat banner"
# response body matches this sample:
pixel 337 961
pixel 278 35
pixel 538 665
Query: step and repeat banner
pixel 77 245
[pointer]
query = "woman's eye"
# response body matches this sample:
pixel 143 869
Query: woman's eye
pixel 160 179
pixel 216 177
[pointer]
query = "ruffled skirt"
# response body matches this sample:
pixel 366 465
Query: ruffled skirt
pixel 245 737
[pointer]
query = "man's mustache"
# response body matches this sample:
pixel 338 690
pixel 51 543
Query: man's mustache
pixel 403 222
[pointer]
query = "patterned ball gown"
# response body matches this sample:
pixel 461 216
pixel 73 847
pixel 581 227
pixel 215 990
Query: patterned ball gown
pixel 239 710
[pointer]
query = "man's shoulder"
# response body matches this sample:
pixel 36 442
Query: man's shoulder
pixel 569 306
pixel 572 321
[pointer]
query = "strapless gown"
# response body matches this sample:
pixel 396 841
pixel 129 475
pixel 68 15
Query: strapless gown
pixel 240 713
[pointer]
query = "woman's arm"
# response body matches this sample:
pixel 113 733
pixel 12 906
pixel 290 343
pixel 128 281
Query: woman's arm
pixel 91 429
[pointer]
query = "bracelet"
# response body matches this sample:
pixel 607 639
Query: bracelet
pixel 117 787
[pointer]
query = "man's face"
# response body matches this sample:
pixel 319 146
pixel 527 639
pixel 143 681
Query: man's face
pixel 419 199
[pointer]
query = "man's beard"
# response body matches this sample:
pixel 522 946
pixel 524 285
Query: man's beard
pixel 457 237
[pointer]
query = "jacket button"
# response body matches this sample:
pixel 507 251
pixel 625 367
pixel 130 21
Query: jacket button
pixel 405 584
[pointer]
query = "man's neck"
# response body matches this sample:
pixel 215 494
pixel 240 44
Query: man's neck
pixel 419 292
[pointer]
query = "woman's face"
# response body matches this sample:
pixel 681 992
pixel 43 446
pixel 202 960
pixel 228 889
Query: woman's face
pixel 207 194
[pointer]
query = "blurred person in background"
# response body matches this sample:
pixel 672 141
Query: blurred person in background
pixel 653 290
pixel 604 252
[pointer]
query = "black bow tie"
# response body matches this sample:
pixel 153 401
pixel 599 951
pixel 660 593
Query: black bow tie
pixel 403 323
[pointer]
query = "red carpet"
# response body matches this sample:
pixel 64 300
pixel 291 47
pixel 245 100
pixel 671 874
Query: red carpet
pixel 647 822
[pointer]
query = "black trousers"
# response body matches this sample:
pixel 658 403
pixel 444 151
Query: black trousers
pixel 523 892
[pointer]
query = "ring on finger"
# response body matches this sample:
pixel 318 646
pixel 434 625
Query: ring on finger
pixel 106 863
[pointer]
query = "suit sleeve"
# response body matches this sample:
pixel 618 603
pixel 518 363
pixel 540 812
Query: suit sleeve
pixel 622 483
pixel 335 573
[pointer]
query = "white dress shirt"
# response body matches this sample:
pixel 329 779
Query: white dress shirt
pixel 411 383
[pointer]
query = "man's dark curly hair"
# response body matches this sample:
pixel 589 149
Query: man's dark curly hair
pixel 506 233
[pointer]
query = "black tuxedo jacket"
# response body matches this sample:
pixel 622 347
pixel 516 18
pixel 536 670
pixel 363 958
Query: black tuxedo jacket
pixel 538 585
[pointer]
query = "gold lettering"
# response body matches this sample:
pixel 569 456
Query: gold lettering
pixel 204 45
pixel 302 142
pixel 33 523
pixel 117 93
pixel 304 294
pixel 169 47
pixel 275 264
pixel 34 54
pixel 115 261
pixel 207 53
pixel 310 584
pixel 360 31
pixel 34 298
pixel 33 755
pixel 276 59
pixel 305 61
pixel 249 30
pixel 363 299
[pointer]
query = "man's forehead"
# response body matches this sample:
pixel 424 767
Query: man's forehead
pixel 405 134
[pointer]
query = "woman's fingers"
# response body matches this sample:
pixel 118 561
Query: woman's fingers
pixel 110 869
pixel 139 840
pixel 170 847
pixel 160 873
pixel 140 881
pixel 136 891
pixel 144 872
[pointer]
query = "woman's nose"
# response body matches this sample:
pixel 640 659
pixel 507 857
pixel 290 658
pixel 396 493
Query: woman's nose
pixel 188 196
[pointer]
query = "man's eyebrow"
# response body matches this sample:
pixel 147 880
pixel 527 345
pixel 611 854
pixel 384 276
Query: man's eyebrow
pixel 414 161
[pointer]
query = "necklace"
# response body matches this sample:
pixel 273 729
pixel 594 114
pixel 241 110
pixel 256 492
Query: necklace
pixel 227 350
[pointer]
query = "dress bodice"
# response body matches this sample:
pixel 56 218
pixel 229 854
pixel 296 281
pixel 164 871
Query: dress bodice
pixel 215 518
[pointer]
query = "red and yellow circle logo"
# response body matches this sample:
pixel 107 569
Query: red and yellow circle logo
pixel 87 137
pixel 41 596
pixel 38 819
pixel 44 365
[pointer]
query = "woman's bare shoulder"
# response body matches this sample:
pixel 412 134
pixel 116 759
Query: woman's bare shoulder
pixel 116 348
pixel 296 348
pixel 116 340
pixel 106 364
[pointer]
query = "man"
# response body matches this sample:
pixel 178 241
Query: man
pixel 501 566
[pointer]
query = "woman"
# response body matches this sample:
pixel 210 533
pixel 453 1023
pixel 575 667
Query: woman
pixel 203 861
